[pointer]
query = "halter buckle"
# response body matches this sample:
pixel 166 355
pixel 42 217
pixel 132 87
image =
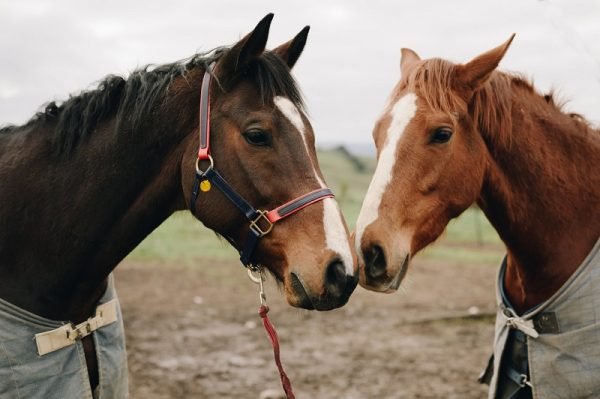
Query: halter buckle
pixel 262 215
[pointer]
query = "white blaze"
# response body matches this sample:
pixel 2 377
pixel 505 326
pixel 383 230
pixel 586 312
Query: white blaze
pixel 336 238
pixel 402 113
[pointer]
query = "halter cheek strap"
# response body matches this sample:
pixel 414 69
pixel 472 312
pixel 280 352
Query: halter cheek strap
pixel 204 148
pixel 261 222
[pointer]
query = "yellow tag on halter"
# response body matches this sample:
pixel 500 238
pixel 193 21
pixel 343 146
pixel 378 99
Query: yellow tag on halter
pixel 205 186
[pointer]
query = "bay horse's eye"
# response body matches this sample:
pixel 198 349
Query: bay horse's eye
pixel 257 137
pixel 441 135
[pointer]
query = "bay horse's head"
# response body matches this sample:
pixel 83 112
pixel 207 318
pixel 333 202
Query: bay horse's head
pixel 431 163
pixel 263 146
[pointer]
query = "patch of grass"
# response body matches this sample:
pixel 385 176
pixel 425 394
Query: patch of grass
pixel 183 239
pixel 471 227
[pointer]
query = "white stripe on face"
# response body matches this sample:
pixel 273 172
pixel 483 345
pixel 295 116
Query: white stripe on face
pixel 402 113
pixel 336 237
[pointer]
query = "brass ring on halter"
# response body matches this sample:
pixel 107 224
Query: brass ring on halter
pixel 210 166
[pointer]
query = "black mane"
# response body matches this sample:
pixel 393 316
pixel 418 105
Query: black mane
pixel 132 99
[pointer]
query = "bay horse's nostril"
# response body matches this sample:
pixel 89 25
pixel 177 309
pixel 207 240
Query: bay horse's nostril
pixel 375 263
pixel 304 300
pixel 335 278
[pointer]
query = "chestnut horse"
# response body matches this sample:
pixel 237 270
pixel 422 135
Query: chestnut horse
pixel 452 135
pixel 83 183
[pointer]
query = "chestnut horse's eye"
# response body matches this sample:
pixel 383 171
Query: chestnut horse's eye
pixel 257 137
pixel 441 135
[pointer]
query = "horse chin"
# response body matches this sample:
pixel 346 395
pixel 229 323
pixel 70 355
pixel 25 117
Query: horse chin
pixel 395 283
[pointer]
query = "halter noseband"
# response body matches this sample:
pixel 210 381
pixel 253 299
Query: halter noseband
pixel 261 222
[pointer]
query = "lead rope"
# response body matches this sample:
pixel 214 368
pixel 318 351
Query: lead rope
pixel 262 311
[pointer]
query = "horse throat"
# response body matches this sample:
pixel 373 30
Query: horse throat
pixel 541 193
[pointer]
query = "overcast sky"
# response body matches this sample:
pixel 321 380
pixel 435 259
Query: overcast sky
pixel 51 49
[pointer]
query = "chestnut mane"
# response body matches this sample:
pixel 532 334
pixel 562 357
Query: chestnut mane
pixel 491 106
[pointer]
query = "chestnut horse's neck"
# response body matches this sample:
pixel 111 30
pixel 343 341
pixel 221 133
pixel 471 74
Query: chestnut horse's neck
pixel 69 219
pixel 542 194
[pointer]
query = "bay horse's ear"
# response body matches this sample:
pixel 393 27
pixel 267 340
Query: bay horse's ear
pixel 290 51
pixel 408 60
pixel 476 72
pixel 249 47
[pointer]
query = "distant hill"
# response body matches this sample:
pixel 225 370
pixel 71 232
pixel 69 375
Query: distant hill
pixel 361 149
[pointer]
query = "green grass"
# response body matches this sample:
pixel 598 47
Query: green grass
pixel 471 227
pixel 469 238
pixel 452 254
pixel 183 240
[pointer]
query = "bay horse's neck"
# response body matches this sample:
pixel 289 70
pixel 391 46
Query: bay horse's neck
pixel 542 194
pixel 77 216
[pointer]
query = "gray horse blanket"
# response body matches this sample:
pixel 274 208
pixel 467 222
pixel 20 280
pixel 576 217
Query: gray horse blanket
pixel 563 363
pixel 37 361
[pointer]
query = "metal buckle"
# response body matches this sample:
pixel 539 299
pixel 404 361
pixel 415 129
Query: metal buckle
pixel 262 215
pixel 199 171
pixel 79 331
pixel 524 381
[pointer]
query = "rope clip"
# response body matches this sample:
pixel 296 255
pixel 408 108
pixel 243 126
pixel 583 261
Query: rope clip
pixel 257 276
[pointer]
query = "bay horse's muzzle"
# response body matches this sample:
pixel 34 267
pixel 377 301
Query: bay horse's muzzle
pixel 337 288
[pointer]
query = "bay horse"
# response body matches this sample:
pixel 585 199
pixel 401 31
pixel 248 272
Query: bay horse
pixel 452 135
pixel 84 182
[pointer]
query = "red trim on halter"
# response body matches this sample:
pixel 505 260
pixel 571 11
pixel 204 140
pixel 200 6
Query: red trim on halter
pixel 274 214
pixel 204 150
pixel 203 154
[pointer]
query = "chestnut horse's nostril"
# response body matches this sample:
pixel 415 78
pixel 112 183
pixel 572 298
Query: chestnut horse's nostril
pixel 375 263
pixel 335 278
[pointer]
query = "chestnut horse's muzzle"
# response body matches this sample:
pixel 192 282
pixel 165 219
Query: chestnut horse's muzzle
pixel 380 273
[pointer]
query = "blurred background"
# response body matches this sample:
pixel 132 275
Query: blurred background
pixel 190 311
pixel 52 49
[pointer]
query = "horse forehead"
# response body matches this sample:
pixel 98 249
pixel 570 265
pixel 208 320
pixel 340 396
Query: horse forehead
pixel 291 112
pixel 398 113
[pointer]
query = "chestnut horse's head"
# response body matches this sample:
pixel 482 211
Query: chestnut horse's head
pixel 431 163
pixel 263 145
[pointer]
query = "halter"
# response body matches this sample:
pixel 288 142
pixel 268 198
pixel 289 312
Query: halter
pixel 261 221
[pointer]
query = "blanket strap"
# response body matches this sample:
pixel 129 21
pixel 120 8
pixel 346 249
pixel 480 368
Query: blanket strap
pixel 68 334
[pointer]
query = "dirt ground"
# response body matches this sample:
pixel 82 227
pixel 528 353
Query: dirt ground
pixel 196 334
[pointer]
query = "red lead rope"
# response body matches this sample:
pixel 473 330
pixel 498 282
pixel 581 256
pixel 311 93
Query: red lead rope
pixel 285 381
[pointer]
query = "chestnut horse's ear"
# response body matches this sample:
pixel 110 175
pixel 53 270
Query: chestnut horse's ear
pixel 476 72
pixel 290 51
pixel 408 60
pixel 250 46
